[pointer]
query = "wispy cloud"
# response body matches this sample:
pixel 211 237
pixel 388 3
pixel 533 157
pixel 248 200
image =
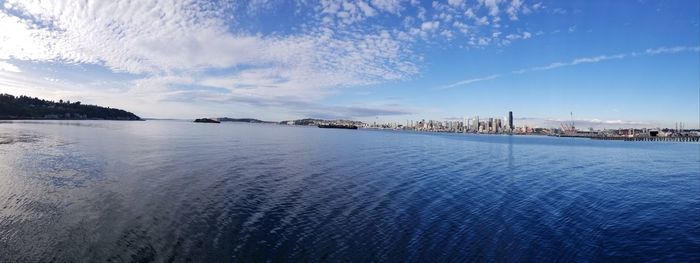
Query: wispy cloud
pixel 468 81
pixel 671 50
pixel 582 60
pixel 600 58
pixel 573 62
pixel 559 11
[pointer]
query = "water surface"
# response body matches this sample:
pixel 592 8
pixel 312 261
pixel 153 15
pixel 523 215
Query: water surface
pixel 181 191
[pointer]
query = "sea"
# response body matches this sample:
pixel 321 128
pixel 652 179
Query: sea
pixel 177 191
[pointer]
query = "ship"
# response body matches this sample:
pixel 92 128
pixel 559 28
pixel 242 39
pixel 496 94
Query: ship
pixel 337 126
pixel 207 120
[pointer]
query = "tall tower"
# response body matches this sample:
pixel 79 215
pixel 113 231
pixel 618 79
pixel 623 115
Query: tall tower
pixel 510 121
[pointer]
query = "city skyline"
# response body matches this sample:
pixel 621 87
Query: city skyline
pixel 613 64
pixel 522 122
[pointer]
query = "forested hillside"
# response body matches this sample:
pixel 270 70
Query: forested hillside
pixel 23 107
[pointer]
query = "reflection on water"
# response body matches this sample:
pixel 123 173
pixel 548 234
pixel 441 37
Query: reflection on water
pixel 168 190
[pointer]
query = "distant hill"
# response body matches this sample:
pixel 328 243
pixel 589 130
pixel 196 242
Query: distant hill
pixel 226 119
pixel 306 121
pixel 23 107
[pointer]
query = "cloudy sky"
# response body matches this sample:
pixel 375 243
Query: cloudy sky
pixel 617 63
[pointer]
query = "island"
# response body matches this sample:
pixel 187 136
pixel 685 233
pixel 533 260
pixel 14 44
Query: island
pixel 28 108
pixel 248 120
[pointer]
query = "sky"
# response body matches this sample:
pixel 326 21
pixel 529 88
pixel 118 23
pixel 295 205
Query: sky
pixel 609 63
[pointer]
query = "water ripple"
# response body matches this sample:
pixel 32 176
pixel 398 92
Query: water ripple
pixel 178 191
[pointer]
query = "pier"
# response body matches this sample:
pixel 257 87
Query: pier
pixel 636 139
pixel 650 139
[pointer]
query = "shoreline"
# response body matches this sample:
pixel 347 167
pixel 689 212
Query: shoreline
pixel 45 119
pixel 679 139
pixel 683 139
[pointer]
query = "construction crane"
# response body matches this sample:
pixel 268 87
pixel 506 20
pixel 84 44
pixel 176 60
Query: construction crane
pixel 568 127
pixel 573 127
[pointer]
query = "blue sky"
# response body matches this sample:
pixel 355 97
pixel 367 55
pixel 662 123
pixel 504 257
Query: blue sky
pixel 611 63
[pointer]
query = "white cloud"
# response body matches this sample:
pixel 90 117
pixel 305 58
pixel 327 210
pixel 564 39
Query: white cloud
pixel 391 6
pixel 346 12
pixel 483 41
pixel 134 38
pixel 430 25
pixel 513 9
pixel 421 13
pixel 170 47
pixel 5 66
pixel 445 17
pixel 481 21
pixel 368 10
pixel 461 27
pixel 456 16
pixel 330 7
pixel 537 6
pixel 470 13
pixel 447 34
pixel 20 40
pixel 524 35
pixel 492 6
pixel 455 3
pixel 165 39
pixel 559 11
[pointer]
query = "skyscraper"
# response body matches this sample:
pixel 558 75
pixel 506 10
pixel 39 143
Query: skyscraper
pixel 510 121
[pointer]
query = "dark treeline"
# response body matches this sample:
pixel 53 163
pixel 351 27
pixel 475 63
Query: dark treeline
pixel 23 107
